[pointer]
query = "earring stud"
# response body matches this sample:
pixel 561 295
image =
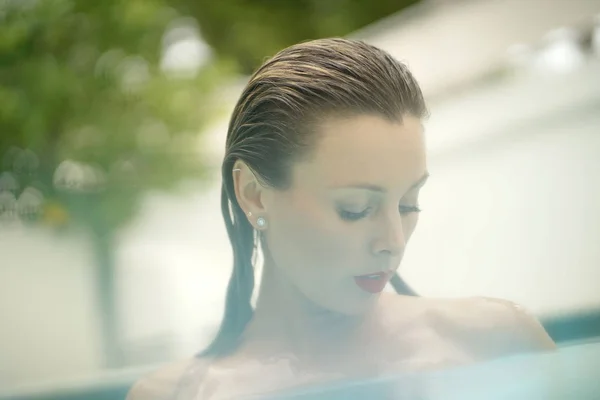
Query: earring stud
pixel 261 222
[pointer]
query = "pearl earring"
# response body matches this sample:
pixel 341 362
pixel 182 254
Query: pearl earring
pixel 261 222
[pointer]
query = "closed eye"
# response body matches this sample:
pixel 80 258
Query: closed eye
pixel 353 216
pixel 408 209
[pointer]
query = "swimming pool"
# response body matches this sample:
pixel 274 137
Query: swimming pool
pixel 572 372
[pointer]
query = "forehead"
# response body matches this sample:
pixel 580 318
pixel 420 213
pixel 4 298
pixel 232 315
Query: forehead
pixel 366 149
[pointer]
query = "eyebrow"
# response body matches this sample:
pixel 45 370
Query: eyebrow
pixel 376 188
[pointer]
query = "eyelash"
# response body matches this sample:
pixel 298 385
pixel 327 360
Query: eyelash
pixel 409 209
pixel 351 216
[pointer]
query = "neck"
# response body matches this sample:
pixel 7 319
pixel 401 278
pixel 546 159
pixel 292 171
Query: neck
pixel 286 321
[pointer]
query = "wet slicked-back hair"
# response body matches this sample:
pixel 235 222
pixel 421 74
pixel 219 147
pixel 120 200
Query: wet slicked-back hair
pixel 273 125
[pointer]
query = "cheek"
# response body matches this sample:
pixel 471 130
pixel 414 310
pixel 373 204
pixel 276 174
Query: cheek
pixel 309 236
pixel 409 225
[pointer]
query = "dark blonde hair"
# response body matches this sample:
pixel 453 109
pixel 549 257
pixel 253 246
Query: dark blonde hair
pixel 273 125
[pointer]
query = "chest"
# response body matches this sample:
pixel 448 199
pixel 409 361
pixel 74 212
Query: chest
pixel 414 351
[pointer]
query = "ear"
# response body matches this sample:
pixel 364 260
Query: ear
pixel 249 192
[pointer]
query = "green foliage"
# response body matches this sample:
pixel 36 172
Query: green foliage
pixel 81 81
pixel 248 31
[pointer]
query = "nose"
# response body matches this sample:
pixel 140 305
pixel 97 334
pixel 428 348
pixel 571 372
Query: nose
pixel 390 239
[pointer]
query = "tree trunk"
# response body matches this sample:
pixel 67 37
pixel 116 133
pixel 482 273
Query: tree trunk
pixel 105 280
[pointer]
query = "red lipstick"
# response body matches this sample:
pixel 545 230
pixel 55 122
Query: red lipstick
pixel 373 283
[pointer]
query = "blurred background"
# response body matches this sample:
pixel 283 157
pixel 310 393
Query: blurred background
pixel 113 116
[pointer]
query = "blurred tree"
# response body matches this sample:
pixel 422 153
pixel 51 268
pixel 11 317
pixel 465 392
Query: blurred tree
pixel 248 31
pixel 92 116
pixel 97 106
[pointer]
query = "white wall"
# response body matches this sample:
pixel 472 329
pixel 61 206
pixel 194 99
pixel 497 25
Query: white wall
pixel 517 217
pixel 48 321
pixel 513 205
pixel 175 262
pixel 456 42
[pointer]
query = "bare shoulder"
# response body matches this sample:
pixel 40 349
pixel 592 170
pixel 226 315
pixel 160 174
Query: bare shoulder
pixel 484 328
pixel 499 327
pixel 162 383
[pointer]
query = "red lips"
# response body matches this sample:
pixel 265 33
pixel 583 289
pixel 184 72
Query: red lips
pixel 373 283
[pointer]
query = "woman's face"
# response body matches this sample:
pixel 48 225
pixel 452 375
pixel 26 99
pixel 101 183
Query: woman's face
pixel 350 210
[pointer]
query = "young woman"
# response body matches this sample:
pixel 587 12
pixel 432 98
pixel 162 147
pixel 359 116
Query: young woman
pixel 324 161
